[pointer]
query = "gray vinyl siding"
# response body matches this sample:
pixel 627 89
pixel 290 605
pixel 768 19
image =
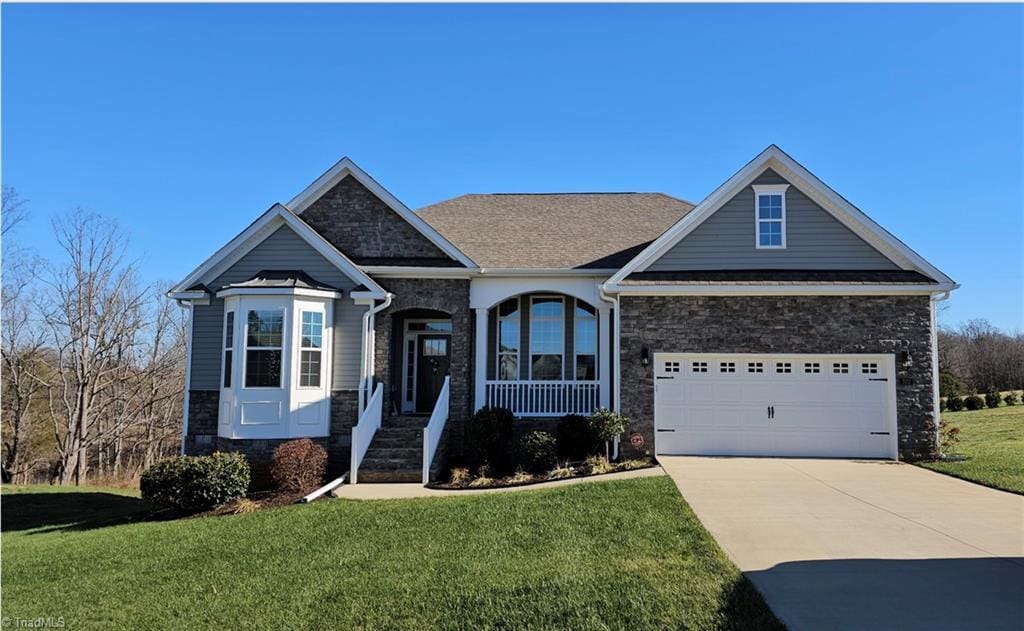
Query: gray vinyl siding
pixel 282 250
pixel 814 239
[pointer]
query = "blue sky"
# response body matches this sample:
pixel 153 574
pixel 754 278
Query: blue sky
pixel 186 122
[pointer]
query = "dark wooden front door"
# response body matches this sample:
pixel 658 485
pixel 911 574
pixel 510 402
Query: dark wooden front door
pixel 432 359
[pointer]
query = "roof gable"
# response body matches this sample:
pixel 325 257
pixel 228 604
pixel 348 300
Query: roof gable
pixel 346 177
pixel 269 223
pixel 799 177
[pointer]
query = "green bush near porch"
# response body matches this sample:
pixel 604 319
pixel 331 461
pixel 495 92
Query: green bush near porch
pixel 609 555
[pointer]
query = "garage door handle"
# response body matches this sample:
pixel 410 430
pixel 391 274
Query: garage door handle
pixel 666 430
pixel 878 379
pixel 879 433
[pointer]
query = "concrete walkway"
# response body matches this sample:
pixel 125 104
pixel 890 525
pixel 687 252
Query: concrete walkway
pixel 406 491
pixel 841 544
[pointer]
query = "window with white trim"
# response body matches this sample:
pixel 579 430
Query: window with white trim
pixel 783 367
pixel 770 216
pixel 755 367
pixel 585 341
pixel 310 343
pixel 263 348
pixel 229 343
pixel 508 340
pixel 547 338
pixel 699 367
pixel 727 367
pixel 671 366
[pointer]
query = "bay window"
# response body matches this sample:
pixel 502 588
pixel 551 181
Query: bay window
pixel 310 343
pixel 263 348
pixel 229 345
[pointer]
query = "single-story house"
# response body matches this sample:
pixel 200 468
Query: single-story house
pixel 773 318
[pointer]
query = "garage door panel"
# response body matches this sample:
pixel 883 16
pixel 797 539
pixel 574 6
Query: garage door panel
pixel 823 406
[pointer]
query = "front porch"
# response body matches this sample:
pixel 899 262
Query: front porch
pixel 543 353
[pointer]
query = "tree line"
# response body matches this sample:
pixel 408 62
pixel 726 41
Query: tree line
pixel 976 357
pixel 92 358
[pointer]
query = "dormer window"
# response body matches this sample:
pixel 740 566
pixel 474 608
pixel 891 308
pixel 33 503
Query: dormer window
pixel 770 216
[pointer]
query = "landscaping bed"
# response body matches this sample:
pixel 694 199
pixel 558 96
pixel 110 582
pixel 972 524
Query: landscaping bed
pixel 462 478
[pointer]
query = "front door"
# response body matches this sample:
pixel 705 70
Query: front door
pixel 432 359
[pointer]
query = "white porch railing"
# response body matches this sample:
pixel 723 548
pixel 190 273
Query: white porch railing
pixel 544 398
pixel 435 427
pixel 365 429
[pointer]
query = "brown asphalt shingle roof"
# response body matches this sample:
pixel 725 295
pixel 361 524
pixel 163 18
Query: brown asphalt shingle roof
pixel 554 230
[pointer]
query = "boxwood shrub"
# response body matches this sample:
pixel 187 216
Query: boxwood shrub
pixel 992 399
pixel 576 438
pixel 196 483
pixel 973 402
pixel 536 452
pixel 488 438
pixel 954 403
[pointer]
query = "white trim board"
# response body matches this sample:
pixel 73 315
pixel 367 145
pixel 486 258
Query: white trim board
pixel 345 167
pixel 833 203
pixel 708 289
pixel 255 233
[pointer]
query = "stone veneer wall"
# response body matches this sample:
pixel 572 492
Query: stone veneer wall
pixel 452 297
pixel 202 434
pixel 783 324
pixel 359 224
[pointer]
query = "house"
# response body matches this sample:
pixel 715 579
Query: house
pixel 772 318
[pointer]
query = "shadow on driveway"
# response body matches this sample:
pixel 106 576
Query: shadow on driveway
pixel 933 594
pixel 49 512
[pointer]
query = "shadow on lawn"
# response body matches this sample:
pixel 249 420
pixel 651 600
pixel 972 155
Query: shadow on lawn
pixel 50 512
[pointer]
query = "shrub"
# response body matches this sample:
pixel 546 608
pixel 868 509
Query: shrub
pixel 992 399
pixel 535 452
pixel 194 483
pixel 460 477
pixel 598 464
pixel 561 472
pixel 606 425
pixel 519 477
pixel 576 438
pixel 954 404
pixel 488 436
pixel 481 481
pixel 629 465
pixel 942 405
pixel 1011 398
pixel 973 402
pixel 246 505
pixel 949 435
pixel 299 466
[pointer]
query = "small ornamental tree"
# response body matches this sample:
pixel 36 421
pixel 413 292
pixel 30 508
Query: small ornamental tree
pixel 992 398
pixel 607 425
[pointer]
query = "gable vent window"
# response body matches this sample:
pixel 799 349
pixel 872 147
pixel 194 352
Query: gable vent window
pixel 783 367
pixel 755 367
pixel 869 369
pixel 812 367
pixel 700 366
pixel 841 368
pixel 727 367
pixel 770 216
pixel 671 366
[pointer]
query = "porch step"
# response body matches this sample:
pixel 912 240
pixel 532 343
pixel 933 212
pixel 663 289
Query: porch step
pixel 396 453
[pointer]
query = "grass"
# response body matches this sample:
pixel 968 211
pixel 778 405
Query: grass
pixel 605 555
pixel 991 445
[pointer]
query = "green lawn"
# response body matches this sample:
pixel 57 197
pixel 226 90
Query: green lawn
pixel 992 443
pixel 601 555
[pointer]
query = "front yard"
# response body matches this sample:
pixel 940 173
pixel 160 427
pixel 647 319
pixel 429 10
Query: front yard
pixel 592 556
pixel 991 447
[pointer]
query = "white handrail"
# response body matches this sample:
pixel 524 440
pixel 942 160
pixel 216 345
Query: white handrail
pixel 544 398
pixel 365 429
pixel 435 427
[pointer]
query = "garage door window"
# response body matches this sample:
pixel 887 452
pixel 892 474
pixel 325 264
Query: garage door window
pixel 755 367
pixel 700 366
pixel 812 367
pixel 727 367
pixel 671 366
pixel 841 368
pixel 783 367
pixel 869 369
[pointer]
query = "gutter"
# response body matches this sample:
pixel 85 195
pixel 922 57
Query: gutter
pixel 323 490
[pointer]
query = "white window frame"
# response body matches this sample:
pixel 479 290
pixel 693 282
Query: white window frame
pixel 762 190
pixel 497 341
pixel 561 319
pixel 282 348
pixel 575 347
pixel 299 348
pixel 225 348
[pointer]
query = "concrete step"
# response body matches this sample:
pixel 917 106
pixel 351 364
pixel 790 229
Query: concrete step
pixel 387 463
pixel 402 475
pixel 384 452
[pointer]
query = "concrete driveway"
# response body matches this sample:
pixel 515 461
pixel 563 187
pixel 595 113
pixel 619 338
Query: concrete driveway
pixel 843 544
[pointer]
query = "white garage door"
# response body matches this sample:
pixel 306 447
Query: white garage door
pixel 775 405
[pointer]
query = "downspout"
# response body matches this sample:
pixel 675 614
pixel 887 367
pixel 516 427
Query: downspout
pixel 188 371
pixel 936 298
pixel 616 354
pixel 369 344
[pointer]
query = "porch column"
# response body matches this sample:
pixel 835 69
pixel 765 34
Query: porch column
pixel 604 370
pixel 480 365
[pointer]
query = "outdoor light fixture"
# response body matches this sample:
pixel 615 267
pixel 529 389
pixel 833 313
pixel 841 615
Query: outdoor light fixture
pixel 645 356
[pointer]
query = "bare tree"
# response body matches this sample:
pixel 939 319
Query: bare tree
pixel 93 312
pixel 13 210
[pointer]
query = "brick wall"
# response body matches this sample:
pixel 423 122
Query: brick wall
pixel 783 324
